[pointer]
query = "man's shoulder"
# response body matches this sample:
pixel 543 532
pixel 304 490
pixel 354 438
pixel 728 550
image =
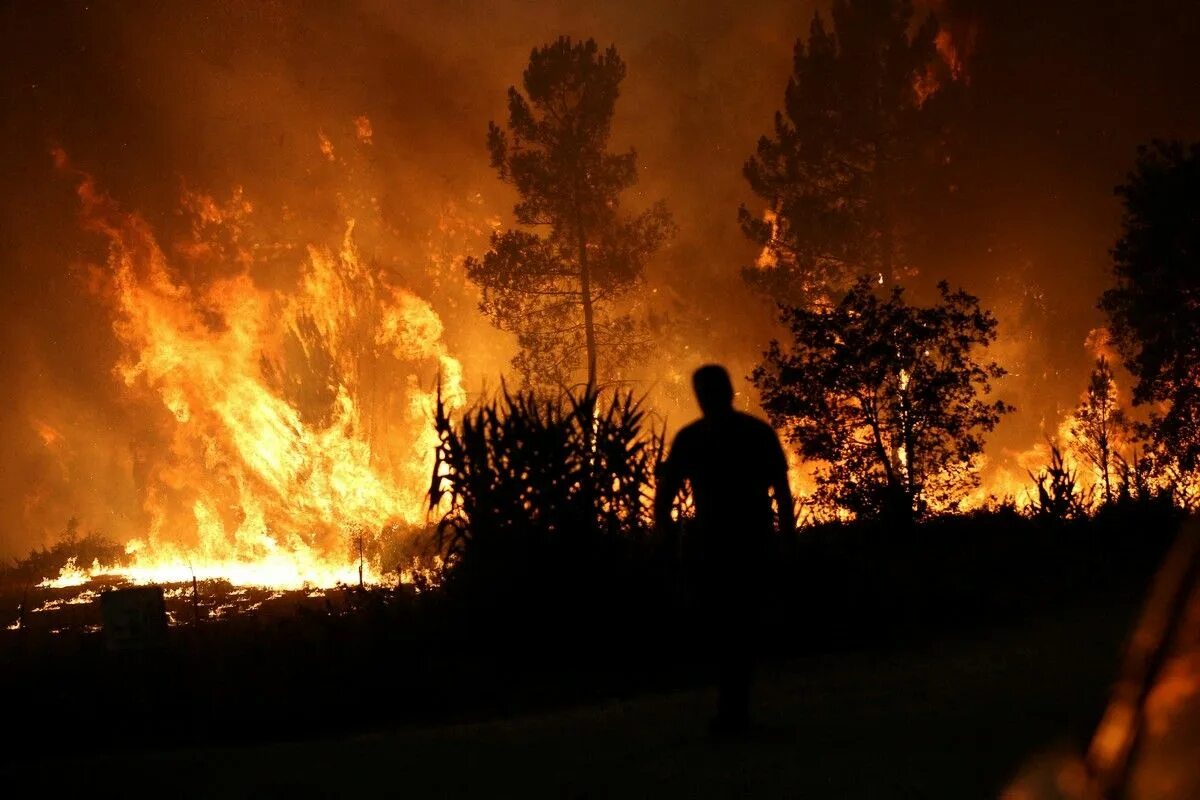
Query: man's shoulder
pixel 700 429
pixel 693 430
pixel 754 423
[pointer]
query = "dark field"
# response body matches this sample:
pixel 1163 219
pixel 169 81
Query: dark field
pixel 953 719
pixel 927 662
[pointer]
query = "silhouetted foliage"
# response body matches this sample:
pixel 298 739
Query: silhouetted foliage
pixel 852 151
pixel 531 481
pixel 1132 478
pixel 1059 496
pixel 560 292
pixel 1142 482
pixel 1154 309
pixel 887 395
pixel 1099 425
pixel 1155 474
pixel 47 562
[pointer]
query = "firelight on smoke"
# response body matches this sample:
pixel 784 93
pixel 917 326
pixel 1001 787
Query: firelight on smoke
pixel 268 461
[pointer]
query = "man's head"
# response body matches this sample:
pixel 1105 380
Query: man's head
pixel 714 390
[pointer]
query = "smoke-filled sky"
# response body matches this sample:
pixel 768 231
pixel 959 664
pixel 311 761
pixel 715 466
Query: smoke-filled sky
pixel 152 98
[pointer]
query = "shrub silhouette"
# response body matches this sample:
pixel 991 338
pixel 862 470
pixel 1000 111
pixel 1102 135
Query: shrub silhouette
pixel 1059 496
pixel 46 562
pixel 533 486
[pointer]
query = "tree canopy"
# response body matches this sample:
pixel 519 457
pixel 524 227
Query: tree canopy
pixel 558 281
pixel 1154 308
pixel 857 144
pixel 888 397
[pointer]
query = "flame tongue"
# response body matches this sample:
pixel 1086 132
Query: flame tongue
pixel 295 428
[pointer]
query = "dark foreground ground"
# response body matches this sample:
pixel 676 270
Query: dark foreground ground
pixel 952 720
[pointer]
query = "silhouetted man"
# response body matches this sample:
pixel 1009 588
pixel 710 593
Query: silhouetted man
pixel 734 463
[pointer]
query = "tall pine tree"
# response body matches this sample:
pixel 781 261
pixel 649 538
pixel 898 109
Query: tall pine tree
pixel 560 290
pixel 858 144
pixel 1154 308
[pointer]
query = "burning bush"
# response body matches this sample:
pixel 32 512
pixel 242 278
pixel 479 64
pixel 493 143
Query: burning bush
pixel 71 549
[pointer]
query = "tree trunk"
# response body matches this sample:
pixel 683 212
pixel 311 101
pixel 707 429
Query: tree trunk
pixel 1103 443
pixel 589 325
pixel 910 450
pixel 585 294
pixel 881 453
pixel 1104 459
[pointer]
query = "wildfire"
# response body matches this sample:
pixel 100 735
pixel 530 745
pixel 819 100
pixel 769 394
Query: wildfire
pixel 363 129
pixel 290 435
pixel 766 257
pixel 49 435
pixel 950 53
pixel 71 575
pixel 953 49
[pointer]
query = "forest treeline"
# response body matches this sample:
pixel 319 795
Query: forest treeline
pixel 887 404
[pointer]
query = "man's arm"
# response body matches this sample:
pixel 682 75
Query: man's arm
pixel 670 481
pixel 786 506
pixel 782 490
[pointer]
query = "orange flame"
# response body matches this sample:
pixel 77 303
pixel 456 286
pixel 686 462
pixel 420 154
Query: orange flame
pixel 253 480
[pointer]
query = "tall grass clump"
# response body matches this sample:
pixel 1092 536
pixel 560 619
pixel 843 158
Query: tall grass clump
pixel 544 490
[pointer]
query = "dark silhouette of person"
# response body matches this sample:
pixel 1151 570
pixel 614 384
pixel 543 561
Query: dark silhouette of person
pixel 734 465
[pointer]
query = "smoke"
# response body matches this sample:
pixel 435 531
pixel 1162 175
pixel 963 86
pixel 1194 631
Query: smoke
pixel 154 99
